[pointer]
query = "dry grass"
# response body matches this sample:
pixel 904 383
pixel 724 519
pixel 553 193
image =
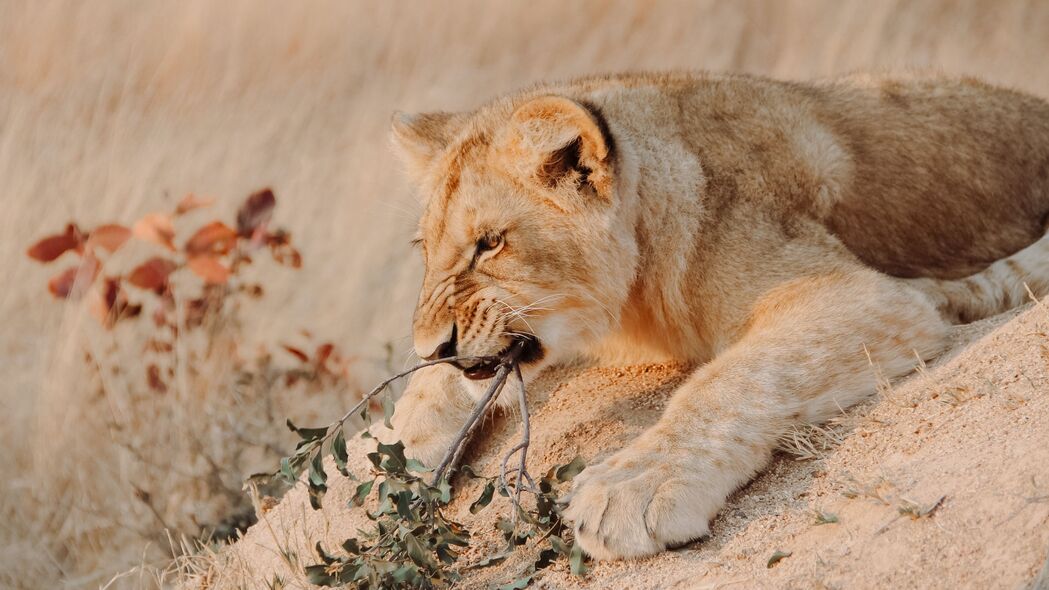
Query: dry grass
pixel 114 108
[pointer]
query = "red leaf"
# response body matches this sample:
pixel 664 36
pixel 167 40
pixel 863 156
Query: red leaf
pixel 154 380
pixel 196 311
pixel 110 303
pixel 109 237
pixel 323 353
pixel 61 285
pixel 156 228
pixel 256 211
pixel 209 268
pixel 277 238
pixel 75 281
pixel 111 293
pixel 153 274
pixel 296 353
pixel 103 300
pixel 52 247
pixel 191 202
pixel 214 238
pixel 286 255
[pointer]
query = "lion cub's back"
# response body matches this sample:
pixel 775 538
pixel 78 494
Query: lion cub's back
pixel 918 175
pixel 948 175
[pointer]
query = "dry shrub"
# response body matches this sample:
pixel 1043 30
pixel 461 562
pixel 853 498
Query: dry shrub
pixel 173 410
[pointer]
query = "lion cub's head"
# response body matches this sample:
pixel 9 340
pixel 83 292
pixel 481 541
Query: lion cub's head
pixel 523 236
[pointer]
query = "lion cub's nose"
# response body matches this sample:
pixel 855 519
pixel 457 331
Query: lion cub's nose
pixel 444 349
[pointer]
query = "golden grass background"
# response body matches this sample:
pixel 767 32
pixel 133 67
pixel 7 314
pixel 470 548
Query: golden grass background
pixel 111 109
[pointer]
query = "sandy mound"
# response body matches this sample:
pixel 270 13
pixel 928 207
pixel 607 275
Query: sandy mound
pixel 972 430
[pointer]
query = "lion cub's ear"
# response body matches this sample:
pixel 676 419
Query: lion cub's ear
pixel 562 144
pixel 419 139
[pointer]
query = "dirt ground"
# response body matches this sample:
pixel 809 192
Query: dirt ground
pixel 938 482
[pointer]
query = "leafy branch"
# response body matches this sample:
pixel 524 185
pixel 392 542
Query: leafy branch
pixel 413 544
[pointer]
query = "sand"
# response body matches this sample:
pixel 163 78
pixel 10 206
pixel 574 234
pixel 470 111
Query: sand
pixel 965 439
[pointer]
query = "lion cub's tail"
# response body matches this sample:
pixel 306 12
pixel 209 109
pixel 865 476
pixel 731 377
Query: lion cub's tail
pixel 999 287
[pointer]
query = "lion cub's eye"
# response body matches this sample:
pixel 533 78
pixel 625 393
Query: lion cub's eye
pixel 489 242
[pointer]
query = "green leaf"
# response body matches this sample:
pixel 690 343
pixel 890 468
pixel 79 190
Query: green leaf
pixel 446 491
pixel 404 506
pixel 777 557
pixel 261 478
pixel 318 574
pixel 362 492
pixel 576 560
pixel 338 452
pixel 387 410
pixel 447 554
pixel 396 461
pixel 544 506
pixel 485 498
pixel 825 518
pixel 570 470
pixel 351 546
pixel 307 434
pixel 317 481
pixel 316 496
pixel 546 557
pixel 406 574
pixel 519 583
pixel 453 534
pixel 287 471
pixel 375 458
pixel 560 546
pixel 491 560
pixel 417 552
pixel 325 557
pixel 416 466
pixel 317 475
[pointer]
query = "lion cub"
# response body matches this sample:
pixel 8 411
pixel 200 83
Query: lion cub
pixel 783 235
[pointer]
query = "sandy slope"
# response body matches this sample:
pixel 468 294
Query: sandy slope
pixel 972 429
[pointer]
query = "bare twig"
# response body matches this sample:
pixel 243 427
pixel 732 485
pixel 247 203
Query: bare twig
pixel 458 446
pixel 455 450
pixel 379 388
pixel 522 448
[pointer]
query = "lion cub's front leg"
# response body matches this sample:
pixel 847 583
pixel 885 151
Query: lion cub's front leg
pixel 430 413
pixel 801 358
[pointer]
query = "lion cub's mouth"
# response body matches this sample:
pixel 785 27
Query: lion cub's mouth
pixel 523 349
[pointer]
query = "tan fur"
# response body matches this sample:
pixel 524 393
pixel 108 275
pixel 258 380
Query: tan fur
pixel 754 226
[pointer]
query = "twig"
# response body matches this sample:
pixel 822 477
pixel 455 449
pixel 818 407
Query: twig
pixel 521 447
pixel 458 446
pixel 378 389
pixel 455 450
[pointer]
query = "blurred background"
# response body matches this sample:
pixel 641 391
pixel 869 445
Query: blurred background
pixel 114 109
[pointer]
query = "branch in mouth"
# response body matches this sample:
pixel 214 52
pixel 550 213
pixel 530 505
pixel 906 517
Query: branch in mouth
pixel 524 349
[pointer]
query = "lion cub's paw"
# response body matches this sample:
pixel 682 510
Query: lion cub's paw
pixel 428 415
pixel 638 502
